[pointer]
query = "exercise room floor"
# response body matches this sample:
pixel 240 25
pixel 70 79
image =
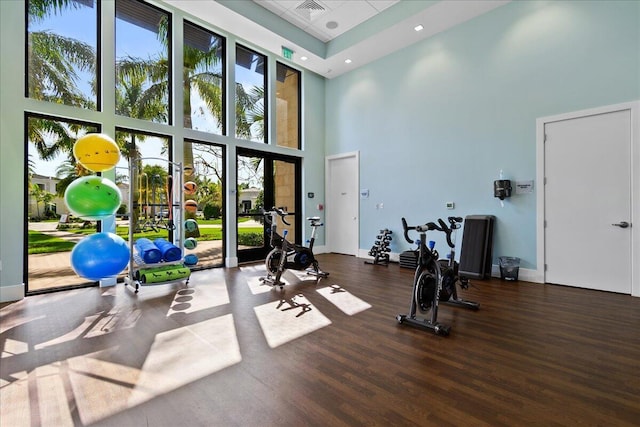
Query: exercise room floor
pixel 227 351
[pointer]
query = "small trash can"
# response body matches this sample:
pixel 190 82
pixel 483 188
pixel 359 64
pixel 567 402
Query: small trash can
pixel 509 267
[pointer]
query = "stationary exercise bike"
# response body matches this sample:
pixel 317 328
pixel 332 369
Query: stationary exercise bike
pixel 426 283
pixel 296 257
pixel 449 268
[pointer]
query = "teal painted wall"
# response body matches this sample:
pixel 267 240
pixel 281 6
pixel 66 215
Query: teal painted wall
pixel 11 150
pixel 313 102
pixel 437 121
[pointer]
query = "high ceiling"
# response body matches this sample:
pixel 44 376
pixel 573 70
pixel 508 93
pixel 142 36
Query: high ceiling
pixel 326 19
pixel 332 37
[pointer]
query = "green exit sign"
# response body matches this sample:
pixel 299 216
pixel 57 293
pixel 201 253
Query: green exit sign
pixel 287 53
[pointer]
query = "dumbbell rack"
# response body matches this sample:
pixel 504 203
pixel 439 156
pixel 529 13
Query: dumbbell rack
pixel 380 249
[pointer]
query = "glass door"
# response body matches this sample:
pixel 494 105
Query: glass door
pixel 265 180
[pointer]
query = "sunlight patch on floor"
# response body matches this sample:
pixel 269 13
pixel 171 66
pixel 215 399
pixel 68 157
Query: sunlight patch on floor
pixel 183 355
pixel 13 347
pixel 15 391
pixel 289 318
pixel 191 300
pixel 259 287
pixel 71 335
pixel 115 382
pixel 345 301
pixel 117 319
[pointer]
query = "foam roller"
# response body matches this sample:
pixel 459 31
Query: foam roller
pixel 148 251
pixel 169 251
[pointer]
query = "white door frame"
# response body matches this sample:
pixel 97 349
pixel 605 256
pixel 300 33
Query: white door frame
pixel 327 186
pixel 634 108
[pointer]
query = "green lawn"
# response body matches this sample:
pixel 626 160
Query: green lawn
pixel 42 243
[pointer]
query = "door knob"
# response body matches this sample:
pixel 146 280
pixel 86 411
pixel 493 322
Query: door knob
pixel 622 224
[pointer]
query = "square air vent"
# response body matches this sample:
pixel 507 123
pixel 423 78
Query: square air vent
pixel 310 9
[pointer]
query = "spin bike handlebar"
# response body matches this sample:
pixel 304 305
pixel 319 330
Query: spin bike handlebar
pixel 454 224
pixel 419 228
pixel 278 211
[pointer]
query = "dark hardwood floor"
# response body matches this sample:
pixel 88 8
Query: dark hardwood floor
pixel 225 351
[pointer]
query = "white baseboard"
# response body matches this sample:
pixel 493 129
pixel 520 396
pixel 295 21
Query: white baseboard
pixel 320 249
pixel 11 293
pixel 524 274
pixel 364 254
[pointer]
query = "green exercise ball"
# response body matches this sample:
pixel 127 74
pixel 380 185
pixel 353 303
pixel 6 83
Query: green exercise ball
pixel 92 197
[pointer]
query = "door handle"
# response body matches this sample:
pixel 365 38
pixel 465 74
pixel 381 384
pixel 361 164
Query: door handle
pixel 622 224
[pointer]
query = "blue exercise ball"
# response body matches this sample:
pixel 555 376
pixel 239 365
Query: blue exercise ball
pixel 99 256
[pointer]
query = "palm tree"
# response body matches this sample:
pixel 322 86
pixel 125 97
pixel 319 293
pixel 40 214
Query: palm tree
pixel 133 100
pixel 142 88
pixel 53 65
pixel 50 138
pixel 203 75
pixel 39 9
pixel 54 60
pixel 250 112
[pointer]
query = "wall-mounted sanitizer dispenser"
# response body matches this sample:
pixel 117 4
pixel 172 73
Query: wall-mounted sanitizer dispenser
pixel 502 188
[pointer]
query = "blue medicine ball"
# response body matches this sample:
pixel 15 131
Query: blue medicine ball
pixel 190 260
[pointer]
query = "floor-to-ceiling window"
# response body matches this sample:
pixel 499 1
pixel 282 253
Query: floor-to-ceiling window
pixel 130 97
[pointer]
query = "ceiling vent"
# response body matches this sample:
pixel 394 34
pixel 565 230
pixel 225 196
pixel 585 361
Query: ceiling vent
pixel 310 9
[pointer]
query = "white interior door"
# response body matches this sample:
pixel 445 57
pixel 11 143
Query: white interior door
pixel 587 162
pixel 342 204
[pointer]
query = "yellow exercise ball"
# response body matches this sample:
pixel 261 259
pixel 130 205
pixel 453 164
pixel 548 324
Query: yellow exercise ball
pixel 96 152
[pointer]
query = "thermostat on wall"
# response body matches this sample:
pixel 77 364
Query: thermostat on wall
pixel 524 187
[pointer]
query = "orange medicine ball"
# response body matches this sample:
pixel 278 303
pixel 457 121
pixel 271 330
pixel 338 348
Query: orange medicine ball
pixel 191 206
pixel 190 187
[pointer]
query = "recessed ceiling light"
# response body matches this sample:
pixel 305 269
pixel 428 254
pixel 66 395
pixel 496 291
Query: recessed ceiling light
pixel 418 27
pixel 347 61
pixel 303 58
